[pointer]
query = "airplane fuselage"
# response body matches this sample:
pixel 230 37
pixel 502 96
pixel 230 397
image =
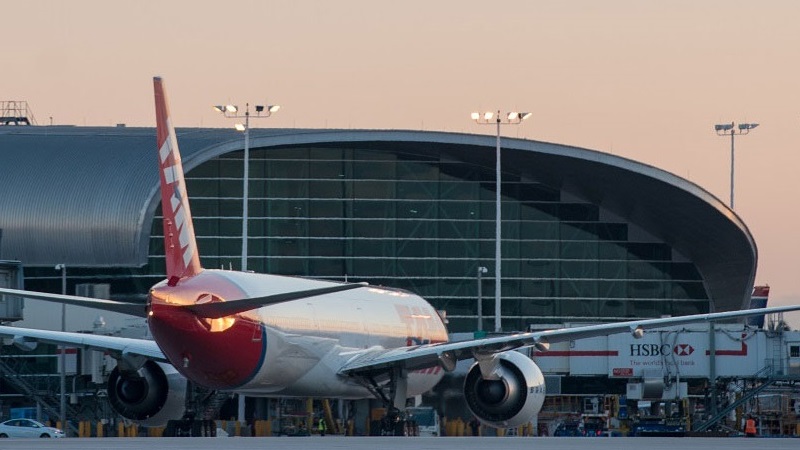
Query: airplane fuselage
pixel 292 348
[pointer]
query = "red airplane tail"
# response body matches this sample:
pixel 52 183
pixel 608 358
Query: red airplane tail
pixel 180 245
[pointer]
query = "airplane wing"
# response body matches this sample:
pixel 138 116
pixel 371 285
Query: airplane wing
pixel 379 360
pixel 123 347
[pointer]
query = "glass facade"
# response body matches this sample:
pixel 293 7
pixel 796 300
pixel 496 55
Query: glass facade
pixel 410 220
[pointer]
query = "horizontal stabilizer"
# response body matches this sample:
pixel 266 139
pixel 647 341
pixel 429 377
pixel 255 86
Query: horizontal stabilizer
pixel 133 309
pixel 216 310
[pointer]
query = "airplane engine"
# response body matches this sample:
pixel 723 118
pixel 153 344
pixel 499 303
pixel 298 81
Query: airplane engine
pixel 512 399
pixel 149 396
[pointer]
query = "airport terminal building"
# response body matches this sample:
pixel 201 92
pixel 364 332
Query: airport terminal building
pixel 587 236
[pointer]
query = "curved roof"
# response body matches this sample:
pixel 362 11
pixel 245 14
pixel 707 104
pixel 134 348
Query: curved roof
pixel 86 196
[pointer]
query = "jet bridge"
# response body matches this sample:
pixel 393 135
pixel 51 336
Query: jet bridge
pixel 677 353
pixel 673 366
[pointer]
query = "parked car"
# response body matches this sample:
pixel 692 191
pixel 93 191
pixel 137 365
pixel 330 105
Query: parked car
pixel 27 428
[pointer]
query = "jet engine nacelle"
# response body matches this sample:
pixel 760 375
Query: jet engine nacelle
pixel 150 396
pixel 511 400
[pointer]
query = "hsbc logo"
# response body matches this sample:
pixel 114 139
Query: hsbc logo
pixel 650 349
pixel 683 350
pixel 661 350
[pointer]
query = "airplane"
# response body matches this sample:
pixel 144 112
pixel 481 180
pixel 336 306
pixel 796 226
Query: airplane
pixel 278 336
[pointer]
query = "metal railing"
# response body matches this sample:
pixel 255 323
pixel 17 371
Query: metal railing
pixel 748 389
pixel 37 388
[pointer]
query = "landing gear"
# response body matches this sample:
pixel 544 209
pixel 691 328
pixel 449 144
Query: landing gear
pixel 393 423
pixel 393 394
pixel 200 408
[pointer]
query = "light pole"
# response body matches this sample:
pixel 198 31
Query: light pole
pixel 481 270
pixel 62 365
pixel 724 129
pixel 511 118
pixel 727 129
pixel 232 112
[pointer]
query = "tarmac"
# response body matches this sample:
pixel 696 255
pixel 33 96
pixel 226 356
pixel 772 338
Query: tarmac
pixel 401 443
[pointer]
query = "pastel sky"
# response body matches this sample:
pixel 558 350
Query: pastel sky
pixel 643 80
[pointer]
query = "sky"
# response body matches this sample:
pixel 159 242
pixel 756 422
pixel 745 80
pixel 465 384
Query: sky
pixel 643 80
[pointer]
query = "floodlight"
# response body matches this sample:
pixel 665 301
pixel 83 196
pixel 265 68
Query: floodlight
pixel 524 115
pixel 723 127
pixel 231 108
pixel 259 108
pixel 513 115
pixel 239 127
pixel 475 116
pixel 273 108
pixel 219 109
pixel 488 115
